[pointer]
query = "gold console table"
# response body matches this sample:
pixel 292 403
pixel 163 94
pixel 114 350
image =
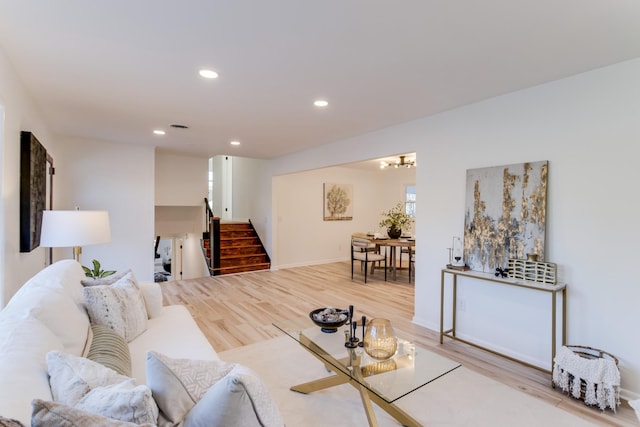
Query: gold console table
pixel 560 288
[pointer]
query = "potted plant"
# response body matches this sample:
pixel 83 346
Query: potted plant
pixel 395 220
pixel 97 272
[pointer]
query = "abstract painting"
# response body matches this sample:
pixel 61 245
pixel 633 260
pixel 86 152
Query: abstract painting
pixel 33 190
pixel 338 202
pixel 505 214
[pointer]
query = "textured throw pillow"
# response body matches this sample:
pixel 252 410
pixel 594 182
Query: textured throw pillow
pixel 119 306
pixel 47 414
pixel 123 401
pixel 109 349
pixel 178 384
pixel 87 385
pixel 105 281
pixel 240 399
pixel 209 394
pixel 635 404
pixel 6 422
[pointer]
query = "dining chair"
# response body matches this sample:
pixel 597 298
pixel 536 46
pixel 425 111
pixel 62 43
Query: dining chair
pixel 412 261
pixel 361 250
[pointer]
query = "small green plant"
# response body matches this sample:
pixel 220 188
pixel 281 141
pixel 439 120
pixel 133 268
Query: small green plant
pixel 97 272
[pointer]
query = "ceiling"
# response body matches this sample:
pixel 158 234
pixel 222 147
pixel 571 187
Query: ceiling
pixel 116 70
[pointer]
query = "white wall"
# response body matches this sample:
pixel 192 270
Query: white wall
pixel 302 237
pixel 19 113
pixel 119 178
pixel 181 184
pixel 587 127
pixel 177 221
pixel 180 180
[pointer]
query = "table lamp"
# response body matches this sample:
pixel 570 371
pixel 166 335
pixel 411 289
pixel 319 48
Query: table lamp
pixel 64 229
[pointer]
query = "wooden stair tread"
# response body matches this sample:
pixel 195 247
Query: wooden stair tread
pixel 243 268
pixel 239 249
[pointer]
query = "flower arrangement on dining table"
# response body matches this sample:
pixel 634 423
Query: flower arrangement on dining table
pixel 395 220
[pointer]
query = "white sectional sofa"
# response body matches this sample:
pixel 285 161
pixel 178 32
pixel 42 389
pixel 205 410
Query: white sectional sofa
pixel 48 313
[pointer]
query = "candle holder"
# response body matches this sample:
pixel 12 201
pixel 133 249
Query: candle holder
pixel 350 340
pixel 458 250
pixel 364 324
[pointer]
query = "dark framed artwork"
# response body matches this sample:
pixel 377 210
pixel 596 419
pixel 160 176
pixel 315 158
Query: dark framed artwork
pixel 33 190
pixel 505 215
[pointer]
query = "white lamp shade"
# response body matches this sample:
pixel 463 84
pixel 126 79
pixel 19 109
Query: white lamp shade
pixel 61 229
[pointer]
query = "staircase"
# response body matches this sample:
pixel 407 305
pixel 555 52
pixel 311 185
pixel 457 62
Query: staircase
pixel 232 246
pixel 241 249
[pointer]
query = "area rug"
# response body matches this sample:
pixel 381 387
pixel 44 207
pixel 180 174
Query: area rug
pixel 460 398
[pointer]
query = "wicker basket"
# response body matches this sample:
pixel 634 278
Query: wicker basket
pixel 588 353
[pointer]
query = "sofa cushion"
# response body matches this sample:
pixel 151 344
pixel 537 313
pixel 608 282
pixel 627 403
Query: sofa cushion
pixel 24 344
pixel 174 333
pixel 55 308
pixel 109 349
pixel 119 306
pixel 178 384
pixel 87 385
pixel 66 273
pixel 47 414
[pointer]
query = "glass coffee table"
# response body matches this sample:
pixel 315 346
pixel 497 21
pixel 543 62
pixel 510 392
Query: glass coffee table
pixel 382 382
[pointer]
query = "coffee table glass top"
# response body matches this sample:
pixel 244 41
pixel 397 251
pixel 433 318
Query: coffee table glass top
pixel 409 369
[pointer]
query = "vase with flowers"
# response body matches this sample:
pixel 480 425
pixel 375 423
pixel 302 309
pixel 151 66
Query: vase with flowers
pixel 395 220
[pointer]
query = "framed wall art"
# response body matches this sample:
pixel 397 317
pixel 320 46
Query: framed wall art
pixel 338 202
pixel 33 190
pixel 505 214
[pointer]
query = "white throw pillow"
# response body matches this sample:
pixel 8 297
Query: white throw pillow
pixel 47 414
pixel 178 384
pixel 119 306
pixel 209 394
pixel 635 404
pixel 240 399
pixel 125 401
pixel 152 294
pixel 90 386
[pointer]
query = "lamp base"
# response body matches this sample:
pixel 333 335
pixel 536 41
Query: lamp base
pixel 77 251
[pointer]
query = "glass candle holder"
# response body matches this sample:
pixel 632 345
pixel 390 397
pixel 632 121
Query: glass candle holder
pixel 380 341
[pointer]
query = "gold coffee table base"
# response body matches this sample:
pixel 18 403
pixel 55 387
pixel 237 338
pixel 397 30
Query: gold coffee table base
pixel 366 395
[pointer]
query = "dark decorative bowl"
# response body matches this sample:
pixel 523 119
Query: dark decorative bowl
pixel 329 327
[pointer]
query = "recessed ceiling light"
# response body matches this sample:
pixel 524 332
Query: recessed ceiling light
pixel 159 132
pixel 208 74
pixel 320 103
pixel 235 143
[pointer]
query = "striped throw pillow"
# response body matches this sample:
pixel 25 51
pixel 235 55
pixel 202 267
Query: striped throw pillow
pixel 110 349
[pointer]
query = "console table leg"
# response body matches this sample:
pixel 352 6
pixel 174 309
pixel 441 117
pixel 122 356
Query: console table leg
pixel 553 328
pixel 441 306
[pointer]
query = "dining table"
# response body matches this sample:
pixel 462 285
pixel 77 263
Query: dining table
pixel 392 244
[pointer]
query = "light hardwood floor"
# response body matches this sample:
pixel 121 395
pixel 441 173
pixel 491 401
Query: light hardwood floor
pixel 237 310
